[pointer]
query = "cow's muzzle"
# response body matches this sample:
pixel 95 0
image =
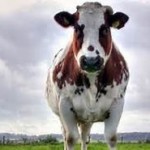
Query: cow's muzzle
pixel 91 64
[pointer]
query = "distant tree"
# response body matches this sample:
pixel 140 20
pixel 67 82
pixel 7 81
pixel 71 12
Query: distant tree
pixel 8 141
pixel 121 138
pixel 147 141
pixel 4 140
pixel 99 141
pixel 49 139
pixel 24 140
pixel 140 141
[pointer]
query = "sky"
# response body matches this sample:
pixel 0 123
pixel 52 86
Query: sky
pixel 29 38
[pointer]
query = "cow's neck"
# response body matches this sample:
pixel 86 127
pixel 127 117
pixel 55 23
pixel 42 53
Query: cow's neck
pixel 72 74
pixel 92 78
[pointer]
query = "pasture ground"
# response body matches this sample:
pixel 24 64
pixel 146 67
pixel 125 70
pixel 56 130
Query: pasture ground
pixel 93 146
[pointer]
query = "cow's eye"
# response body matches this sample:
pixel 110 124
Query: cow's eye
pixel 79 30
pixel 104 30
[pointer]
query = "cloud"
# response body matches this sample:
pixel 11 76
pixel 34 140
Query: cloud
pixel 137 29
pixel 26 30
pixel 19 88
pixel 22 100
pixel 134 122
pixel 8 6
pixel 138 91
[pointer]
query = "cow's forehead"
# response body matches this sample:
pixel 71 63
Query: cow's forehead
pixel 91 14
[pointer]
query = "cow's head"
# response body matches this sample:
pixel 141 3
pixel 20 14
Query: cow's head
pixel 92 42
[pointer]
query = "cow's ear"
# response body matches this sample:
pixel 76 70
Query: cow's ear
pixel 118 20
pixel 65 19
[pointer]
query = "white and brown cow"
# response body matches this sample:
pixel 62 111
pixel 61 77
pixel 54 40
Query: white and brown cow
pixel 88 78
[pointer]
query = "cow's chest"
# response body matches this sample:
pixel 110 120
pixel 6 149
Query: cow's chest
pixel 88 106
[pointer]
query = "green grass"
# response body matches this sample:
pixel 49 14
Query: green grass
pixel 60 147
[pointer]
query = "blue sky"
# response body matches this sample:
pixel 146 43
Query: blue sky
pixel 29 38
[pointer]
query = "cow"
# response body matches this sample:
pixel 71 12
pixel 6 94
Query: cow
pixel 88 78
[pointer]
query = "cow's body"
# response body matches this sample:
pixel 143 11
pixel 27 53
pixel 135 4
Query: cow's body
pixel 81 96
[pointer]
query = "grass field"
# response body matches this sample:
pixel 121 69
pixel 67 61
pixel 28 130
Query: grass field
pixel 60 147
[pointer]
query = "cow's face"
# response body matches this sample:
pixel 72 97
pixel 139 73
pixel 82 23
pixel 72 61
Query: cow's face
pixel 92 42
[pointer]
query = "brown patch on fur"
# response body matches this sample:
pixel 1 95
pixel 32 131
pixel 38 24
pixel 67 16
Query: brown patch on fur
pixel 70 140
pixel 78 38
pixel 105 40
pixel 69 69
pixel 113 141
pixel 115 69
pixel 88 139
pixel 78 35
pixel 113 138
pixel 57 69
pixel 76 16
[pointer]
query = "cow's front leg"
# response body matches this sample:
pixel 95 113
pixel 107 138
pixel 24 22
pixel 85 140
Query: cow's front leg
pixel 64 138
pixel 112 122
pixel 69 123
pixel 85 135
